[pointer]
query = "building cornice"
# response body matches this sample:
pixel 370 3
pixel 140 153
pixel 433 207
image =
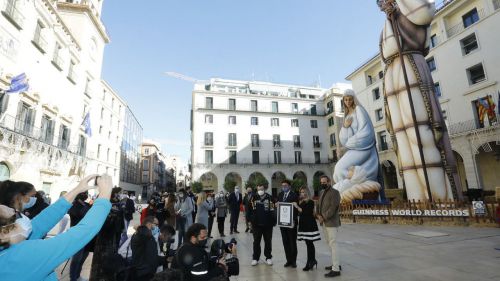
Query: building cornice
pixel 254 96
pixel 61 21
pixel 375 58
pixel 74 7
pixel 258 113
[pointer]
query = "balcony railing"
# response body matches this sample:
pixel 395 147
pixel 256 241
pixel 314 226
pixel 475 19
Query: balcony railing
pixel 255 144
pixel 471 125
pixel 277 145
pixel 297 145
pixel 12 13
pixel 20 126
pixel 317 145
pixel 457 28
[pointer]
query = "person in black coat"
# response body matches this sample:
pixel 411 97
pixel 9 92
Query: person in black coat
pixel 289 235
pixel 234 201
pixel 145 259
pixel 308 228
pixel 263 217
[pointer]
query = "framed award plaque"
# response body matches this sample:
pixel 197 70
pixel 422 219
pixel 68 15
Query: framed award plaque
pixel 285 214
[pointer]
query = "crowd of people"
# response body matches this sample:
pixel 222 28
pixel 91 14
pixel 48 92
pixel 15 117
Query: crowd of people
pixel 83 224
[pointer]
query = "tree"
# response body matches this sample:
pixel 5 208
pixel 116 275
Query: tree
pixel 229 185
pixel 256 180
pixel 197 187
pixel 297 183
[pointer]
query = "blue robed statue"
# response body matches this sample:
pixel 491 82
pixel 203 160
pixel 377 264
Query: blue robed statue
pixel 356 171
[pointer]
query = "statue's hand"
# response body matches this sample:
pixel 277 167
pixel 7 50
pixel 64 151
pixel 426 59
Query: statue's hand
pixel 347 122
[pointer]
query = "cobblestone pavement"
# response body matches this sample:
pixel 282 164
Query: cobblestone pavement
pixel 379 252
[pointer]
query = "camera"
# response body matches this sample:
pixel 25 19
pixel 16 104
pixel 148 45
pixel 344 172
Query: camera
pixel 218 250
pixel 230 245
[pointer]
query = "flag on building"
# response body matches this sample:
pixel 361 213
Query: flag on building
pixel 86 124
pixel 18 84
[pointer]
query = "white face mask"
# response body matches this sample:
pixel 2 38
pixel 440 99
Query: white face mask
pixel 25 229
pixel 260 192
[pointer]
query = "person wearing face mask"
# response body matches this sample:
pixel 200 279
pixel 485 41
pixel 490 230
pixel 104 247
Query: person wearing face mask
pixel 204 206
pixel 262 212
pixel 234 200
pixel 184 209
pixel 21 243
pixel 144 246
pixel 329 217
pixel 192 258
pixel 40 204
pixel 308 228
pixel 289 235
pixel 221 204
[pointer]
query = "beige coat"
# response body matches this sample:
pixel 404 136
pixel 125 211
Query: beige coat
pixel 329 206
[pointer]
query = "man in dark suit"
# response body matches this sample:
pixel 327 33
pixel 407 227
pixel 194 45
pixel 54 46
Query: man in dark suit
pixel 289 235
pixel 234 201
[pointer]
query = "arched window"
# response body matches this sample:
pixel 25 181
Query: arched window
pixel 4 172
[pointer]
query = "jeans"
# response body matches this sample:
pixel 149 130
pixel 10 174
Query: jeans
pixel 76 265
pixel 181 227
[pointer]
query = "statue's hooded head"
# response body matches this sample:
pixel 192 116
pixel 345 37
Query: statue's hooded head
pixel 349 99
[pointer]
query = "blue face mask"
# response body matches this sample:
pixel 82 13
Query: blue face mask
pixel 30 203
pixel 155 231
pixel 285 189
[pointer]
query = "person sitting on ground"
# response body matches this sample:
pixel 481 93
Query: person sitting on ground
pixel 21 243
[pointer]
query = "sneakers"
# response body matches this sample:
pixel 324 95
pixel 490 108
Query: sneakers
pixel 269 261
pixel 254 262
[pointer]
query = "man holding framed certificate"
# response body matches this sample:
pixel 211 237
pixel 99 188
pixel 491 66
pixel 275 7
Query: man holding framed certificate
pixel 287 220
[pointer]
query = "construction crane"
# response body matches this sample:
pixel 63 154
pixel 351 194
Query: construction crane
pixel 183 77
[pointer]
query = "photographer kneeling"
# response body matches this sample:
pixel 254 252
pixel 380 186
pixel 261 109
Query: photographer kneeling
pixel 193 259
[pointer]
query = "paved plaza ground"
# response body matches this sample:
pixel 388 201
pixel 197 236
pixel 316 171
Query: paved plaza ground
pixel 380 252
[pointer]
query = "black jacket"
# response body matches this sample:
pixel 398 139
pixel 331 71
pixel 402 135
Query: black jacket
pixel 291 197
pixel 262 211
pixel 78 211
pixel 144 252
pixel 234 202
